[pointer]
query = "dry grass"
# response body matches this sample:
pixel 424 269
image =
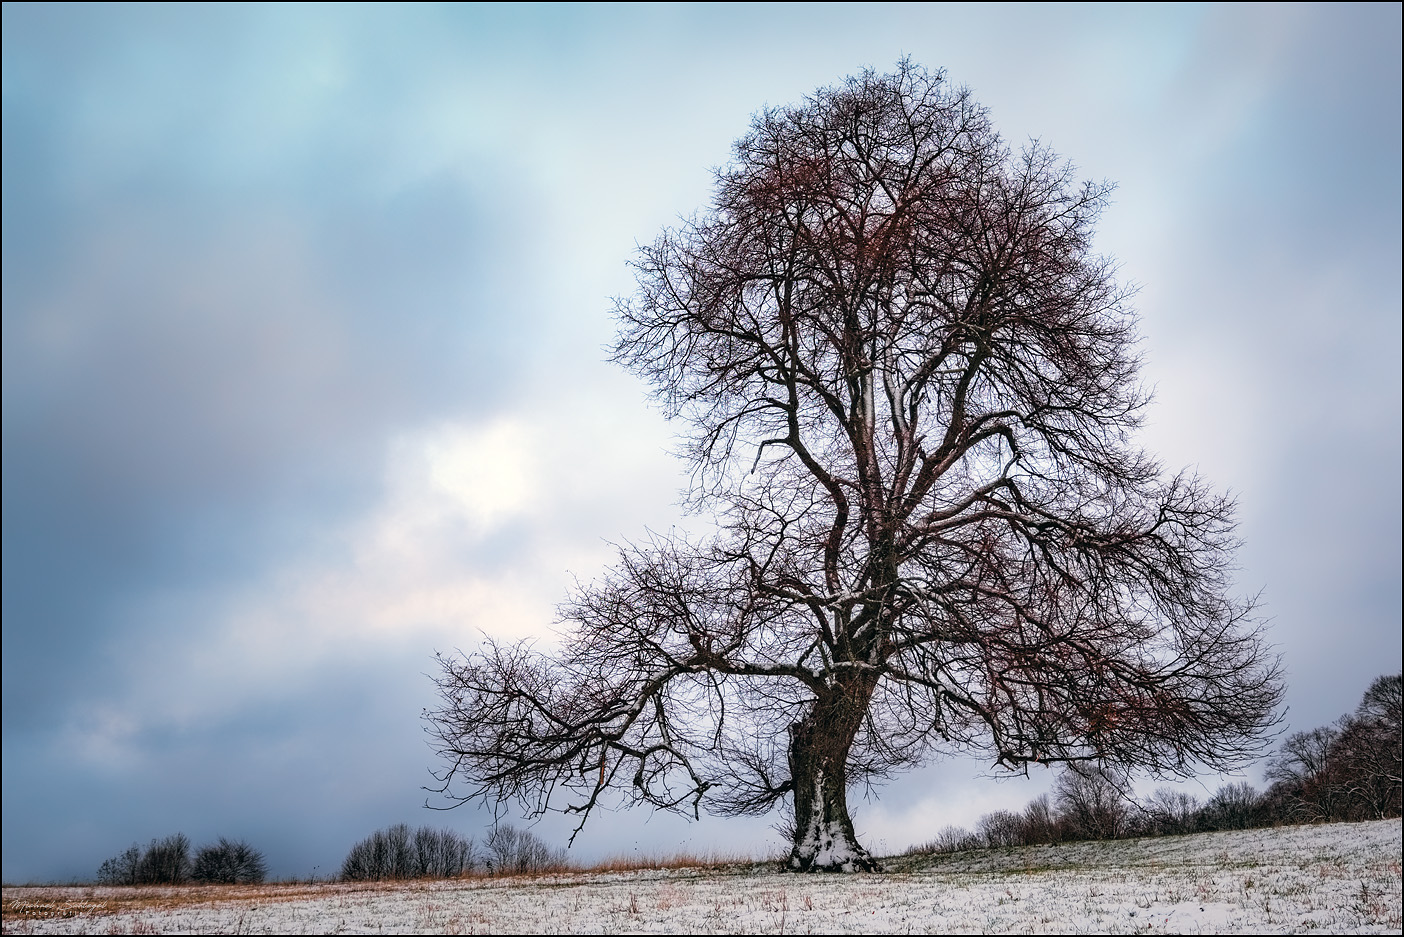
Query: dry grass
pixel 1338 879
pixel 46 902
pixel 43 902
pixel 677 860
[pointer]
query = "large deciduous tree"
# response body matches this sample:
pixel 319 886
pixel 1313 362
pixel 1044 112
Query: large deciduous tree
pixel 908 388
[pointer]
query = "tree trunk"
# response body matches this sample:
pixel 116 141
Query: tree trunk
pixel 823 839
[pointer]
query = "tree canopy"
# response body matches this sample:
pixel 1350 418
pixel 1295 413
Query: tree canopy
pixel 908 391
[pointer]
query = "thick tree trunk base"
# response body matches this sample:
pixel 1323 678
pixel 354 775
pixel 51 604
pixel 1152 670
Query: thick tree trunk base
pixel 824 838
pixel 830 848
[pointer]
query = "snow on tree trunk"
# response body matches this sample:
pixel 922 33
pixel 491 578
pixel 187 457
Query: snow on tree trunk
pixel 819 746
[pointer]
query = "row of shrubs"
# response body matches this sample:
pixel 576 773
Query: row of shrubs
pixel 401 853
pixel 1347 771
pixel 394 853
pixel 169 862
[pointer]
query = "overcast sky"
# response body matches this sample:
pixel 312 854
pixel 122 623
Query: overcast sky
pixel 305 310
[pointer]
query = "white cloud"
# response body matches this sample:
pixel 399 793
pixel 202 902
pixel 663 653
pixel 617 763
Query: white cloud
pixel 489 474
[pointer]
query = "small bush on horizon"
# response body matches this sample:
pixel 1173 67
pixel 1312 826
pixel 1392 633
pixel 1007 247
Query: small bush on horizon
pixel 950 839
pixel 229 863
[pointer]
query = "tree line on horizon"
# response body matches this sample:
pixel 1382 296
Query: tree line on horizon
pixel 398 853
pixel 394 853
pixel 1349 771
pixel 168 861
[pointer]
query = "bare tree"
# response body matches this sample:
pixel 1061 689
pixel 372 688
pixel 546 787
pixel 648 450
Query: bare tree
pixel 908 391
pixel 1368 754
pixel 1301 775
pixel 1170 812
pixel 1235 806
pixel 400 853
pixel 167 861
pixel 1351 770
pixel 514 851
pixel 385 854
pixel 122 869
pixel 163 862
pixel 1383 702
pixel 950 839
pixel 1302 755
pixel 229 862
pixel 1039 823
pixel 1000 828
pixel 440 853
pixel 1090 804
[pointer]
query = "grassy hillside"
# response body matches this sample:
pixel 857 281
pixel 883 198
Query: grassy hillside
pixel 1339 878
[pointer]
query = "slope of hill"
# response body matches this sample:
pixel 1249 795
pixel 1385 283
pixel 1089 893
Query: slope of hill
pixel 1340 878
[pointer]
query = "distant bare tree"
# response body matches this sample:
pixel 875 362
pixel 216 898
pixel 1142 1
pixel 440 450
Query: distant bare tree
pixel 908 387
pixel 229 862
pixel 1359 776
pixel 1352 770
pixel 511 850
pixel 1039 823
pixel 1384 702
pixel 1000 828
pixel 1090 805
pixel 1302 755
pixel 1299 770
pixel 399 853
pixel 166 861
pixel 374 859
pixel 1367 756
pixel 1170 812
pixel 122 869
pixel 1235 806
pixel 162 862
pixel 440 853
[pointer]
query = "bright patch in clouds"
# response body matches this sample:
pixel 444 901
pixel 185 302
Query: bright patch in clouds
pixel 416 573
pixel 422 563
pixel 488 473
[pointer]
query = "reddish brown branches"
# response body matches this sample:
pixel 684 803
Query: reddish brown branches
pixel 909 389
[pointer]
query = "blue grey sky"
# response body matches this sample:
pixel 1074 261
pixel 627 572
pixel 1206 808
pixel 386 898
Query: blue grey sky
pixel 304 317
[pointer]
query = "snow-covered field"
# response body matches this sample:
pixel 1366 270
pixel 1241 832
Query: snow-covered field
pixel 1343 878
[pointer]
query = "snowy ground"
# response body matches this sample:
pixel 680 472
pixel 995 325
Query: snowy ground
pixel 1343 878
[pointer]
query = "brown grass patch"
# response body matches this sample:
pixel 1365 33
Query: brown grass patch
pixel 676 860
pixel 43 902
pixel 37 902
